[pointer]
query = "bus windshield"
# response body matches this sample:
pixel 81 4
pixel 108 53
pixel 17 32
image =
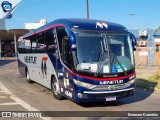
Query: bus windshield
pixel 101 52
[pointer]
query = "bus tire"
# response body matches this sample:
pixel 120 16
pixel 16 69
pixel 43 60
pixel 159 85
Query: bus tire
pixel 28 77
pixel 55 89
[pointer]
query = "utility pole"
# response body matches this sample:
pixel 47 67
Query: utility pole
pixel 87 9
pixel 131 14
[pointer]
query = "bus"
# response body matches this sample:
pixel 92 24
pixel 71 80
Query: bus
pixel 83 60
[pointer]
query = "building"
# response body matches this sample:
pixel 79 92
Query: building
pixel 2 24
pixel 8 37
pixel 8 41
pixel 36 24
pixel 156 36
pixel 148 46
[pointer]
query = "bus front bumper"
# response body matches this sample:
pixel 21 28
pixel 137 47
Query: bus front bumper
pixel 103 96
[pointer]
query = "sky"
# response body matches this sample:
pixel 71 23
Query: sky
pixel 146 12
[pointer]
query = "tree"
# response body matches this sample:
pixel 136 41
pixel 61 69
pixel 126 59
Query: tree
pixel 158 28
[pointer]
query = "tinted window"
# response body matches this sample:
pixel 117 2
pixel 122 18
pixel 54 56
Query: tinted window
pixel 41 46
pixel 60 34
pixel 33 43
pixel 24 46
pixel 50 41
pixel 64 46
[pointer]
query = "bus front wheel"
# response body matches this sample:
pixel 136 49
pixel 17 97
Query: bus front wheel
pixel 55 89
pixel 28 77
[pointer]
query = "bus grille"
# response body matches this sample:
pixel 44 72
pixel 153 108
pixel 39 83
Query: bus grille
pixel 111 87
pixel 118 94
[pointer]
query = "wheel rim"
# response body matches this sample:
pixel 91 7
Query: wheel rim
pixel 55 87
pixel 28 75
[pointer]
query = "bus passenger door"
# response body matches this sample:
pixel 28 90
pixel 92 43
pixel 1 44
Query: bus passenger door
pixel 64 62
pixel 61 72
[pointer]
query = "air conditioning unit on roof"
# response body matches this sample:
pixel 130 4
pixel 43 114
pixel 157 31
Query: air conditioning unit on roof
pixel 142 43
pixel 143 33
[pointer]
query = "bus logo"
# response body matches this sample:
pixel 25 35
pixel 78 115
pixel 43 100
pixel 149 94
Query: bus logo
pixel 44 66
pixel 6 6
pixel 111 82
pixel 101 25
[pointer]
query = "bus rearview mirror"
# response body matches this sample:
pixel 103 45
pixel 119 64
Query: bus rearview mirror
pixel 133 40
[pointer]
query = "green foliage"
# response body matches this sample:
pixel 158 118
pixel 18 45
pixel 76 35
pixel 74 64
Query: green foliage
pixel 154 77
pixel 158 28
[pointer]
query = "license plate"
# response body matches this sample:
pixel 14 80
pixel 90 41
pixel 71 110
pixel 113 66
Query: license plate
pixel 113 98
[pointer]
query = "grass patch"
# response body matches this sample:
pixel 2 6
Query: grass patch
pixel 140 67
pixel 152 82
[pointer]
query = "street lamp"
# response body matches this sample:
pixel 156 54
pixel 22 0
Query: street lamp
pixel 87 8
pixel 131 14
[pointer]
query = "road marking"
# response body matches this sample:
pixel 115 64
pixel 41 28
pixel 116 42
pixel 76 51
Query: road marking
pixel 19 101
pixel 6 70
pixel 3 97
pixel 9 70
pixel 9 103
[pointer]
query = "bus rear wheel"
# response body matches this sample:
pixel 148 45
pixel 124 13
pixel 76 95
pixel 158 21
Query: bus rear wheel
pixel 28 77
pixel 55 89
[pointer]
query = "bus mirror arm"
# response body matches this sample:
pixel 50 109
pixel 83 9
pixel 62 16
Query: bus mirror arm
pixel 133 40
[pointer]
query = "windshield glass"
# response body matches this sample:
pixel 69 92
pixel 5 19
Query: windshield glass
pixel 103 52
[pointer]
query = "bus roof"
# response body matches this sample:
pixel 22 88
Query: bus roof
pixel 81 24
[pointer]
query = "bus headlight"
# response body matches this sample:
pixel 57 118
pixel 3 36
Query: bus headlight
pixel 132 81
pixel 83 84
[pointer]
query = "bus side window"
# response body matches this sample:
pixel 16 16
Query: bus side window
pixel 27 45
pixel 20 46
pixel 60 34
pixel 49 40
pixel 33 43
pixel 65 50
pixel 40 43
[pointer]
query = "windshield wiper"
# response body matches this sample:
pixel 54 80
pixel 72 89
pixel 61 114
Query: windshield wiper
pixel 101 56
pixel 99 62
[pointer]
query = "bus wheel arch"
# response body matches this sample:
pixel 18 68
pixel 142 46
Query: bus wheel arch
pixel 55 88
pixel 27 76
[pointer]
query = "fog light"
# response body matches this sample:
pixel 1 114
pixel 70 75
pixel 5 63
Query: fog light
pixel 80 95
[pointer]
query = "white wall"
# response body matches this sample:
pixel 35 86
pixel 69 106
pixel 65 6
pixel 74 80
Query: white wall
pixel 33 25
pixel 36 24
